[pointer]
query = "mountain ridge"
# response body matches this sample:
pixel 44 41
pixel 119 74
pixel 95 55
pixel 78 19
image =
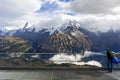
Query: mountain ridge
pixel 70 32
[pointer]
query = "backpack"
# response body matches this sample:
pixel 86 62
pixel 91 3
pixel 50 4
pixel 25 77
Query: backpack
pixel 115 60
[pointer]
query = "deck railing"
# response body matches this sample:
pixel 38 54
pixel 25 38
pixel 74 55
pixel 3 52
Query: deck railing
pixel 44 60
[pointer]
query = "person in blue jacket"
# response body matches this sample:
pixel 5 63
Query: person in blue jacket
pixel 110 57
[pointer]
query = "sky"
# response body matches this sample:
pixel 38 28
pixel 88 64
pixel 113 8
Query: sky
pixel 91 14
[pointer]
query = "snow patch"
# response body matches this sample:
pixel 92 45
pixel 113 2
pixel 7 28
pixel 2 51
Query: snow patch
pixel 35 56
pixel 77 33
pixel 92 63
pixel 73 34
pixel 70 23
pixel 9 28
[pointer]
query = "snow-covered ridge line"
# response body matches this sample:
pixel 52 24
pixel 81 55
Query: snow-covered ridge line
pixel 52 29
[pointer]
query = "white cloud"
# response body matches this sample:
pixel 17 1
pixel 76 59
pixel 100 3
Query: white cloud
pixel 18 8
pixel 92 63
pixel 116 9
pixel 47 20
pixel 92 22
pixel 66 58
pixel 73 59
pixel 13 11
pixel 63 5
pixel 100 23
pixel 91 14
pixel 95 6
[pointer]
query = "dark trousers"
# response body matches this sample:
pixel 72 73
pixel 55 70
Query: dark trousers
pixel 110 65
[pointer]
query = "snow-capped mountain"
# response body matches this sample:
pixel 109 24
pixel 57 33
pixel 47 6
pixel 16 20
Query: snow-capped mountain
pixel 28 27
pixel 67 38
pixel 68 24
pixel 8 30
pixel 71 25
pixel 70 37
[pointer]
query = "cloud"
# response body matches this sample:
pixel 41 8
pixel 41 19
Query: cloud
pixel 54 21
pixel 91 22
pixel 91 14
pixel 74 59
pixel 48 6
pixel 13 11
pixel 18 8
pixel 92 63
pixel 95 6
pixel 66 58
pixel 66 0
pixel 100 23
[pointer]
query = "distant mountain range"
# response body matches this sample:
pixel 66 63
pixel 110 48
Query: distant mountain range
pixel 70 37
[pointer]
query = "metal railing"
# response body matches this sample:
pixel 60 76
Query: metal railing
pixel 45 60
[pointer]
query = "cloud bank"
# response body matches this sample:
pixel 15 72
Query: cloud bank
pixel 74 59
pixel 12 11
pixel 18 8
pixel 91 14
pixel 95 6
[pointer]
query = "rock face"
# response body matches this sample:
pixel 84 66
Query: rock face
pixel 68 40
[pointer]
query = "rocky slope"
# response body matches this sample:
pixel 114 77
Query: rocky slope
pixel 10 44
pixel 68 39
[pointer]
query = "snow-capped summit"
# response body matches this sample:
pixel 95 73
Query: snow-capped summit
pixel 71 24
pixel 68 25
pixel 8 28
pixel 28 27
